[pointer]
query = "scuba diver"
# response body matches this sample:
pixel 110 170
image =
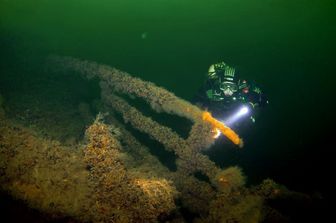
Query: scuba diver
pixel 225 95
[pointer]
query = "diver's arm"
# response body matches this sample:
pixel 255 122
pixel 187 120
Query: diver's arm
pixel 202 98
pixel 252 94
pixel 258 96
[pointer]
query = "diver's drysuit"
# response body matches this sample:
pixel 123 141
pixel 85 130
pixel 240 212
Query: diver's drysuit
pixel 223 92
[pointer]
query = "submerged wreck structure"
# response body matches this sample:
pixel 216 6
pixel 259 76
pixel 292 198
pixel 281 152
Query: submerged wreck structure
pixel 112 177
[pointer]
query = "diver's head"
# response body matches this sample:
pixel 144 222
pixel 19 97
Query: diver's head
pixel 229 76
pixel 228 79
pixel 227 72
pixel 228 88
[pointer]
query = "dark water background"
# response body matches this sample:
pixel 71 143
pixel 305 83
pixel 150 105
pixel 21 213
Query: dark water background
pixel 288 47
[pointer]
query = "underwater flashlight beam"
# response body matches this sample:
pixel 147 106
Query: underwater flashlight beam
pixel 236 116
